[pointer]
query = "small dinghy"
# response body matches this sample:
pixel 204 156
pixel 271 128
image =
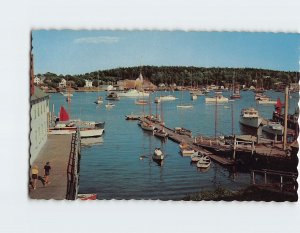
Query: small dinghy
pixel 204 162
pixel 196 156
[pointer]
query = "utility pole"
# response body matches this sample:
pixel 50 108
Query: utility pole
pixel 286 109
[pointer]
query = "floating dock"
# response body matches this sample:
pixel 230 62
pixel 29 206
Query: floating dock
pixel 179 138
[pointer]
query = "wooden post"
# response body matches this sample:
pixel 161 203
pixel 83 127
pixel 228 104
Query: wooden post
pixel 234 147
pixel 265 177
pixel 281 182
pixel 286 108
pixel 253 177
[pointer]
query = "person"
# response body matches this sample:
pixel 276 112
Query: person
pixel 47 169
pixel 34 175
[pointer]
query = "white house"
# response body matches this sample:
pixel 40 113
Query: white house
pixel 37 80
pixel 63 83
pixel 39 115
pixel 88 83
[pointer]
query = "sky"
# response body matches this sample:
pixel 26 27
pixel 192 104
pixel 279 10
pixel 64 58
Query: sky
pixel 83 51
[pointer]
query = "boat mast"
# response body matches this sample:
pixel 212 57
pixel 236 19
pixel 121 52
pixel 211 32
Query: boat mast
pixel 285 117
pixel 216 117
pixel 232 120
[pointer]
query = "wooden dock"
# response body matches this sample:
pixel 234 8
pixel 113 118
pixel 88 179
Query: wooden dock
pixel 57 150
pixel 179 138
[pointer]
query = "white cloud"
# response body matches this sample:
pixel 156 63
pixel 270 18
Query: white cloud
pixel 97 40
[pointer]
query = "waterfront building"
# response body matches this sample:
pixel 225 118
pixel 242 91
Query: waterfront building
pixel 37 80
pixel 39 115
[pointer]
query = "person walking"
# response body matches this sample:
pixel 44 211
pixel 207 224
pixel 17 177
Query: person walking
pixel 34 175
pixel 47 169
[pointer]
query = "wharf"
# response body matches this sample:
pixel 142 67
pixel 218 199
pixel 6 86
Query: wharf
pixel 57 150
pixel 190 141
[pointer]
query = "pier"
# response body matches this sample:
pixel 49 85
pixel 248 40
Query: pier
pixel 179 138
pixel 62 151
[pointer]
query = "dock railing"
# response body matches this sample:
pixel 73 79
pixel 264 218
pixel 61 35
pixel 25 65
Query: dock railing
pixel 73 167
pixel 287 182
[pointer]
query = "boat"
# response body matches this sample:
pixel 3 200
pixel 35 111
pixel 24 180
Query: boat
pixel 133 117
pixel 261 96
pixel 109 105
pixel 183 131
pixel 160 133
pixel 66 126
pixel 112 96
pixel 250 117
pixel 147 126
pixel 194 97
pixel 204 162
pixel 141 102
pixel 218 98
pixel 157 100
pixel 87 196
pixel 132 93
pixel 167 98
pixel 183 105
pixel 186 150
pixel 274 128
pixel 196 156
pixel 99 100
pixel 235 91
pixel 196 92
pixel 66 94
pixel 158 155
pixel 266 101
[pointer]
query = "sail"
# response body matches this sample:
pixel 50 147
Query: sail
pixel 278 106
pixel 63 115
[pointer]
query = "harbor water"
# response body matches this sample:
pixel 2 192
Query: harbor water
pixel 112 166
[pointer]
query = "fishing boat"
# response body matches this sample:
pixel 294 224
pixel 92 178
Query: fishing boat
pixel 112 96
pixel 274 128
pixel 132 93
pixel 204 162
pixel 109 105
pixel 218 98
pixel 158 155
pixel 250 117
pixel 196 156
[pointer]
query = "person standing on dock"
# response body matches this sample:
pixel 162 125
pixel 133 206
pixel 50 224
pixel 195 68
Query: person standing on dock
pixel 47 169
pixel 34 175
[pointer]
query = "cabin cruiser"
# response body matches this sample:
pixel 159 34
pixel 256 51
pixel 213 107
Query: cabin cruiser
pixel 249 117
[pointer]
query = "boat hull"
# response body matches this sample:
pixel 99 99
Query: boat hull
pixel 253 122
pixel 88 133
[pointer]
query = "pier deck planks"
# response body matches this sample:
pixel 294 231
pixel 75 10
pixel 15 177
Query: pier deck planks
pixel 56 150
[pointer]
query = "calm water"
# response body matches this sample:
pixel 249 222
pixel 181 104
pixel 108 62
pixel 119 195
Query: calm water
pixel 112 167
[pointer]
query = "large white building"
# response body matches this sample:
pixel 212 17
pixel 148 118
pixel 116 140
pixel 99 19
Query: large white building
pixel 39 115
pixel 63 83
pixel 88 83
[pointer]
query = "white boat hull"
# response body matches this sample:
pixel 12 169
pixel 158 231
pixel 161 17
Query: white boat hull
pixel 88 133
pixel 184 106
pixel 167 98
pixel 251 121
pixel 266 102
pixel 213 100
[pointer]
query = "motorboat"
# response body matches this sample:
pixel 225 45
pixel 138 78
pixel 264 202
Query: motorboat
pixel 274 128
pixel 112 96
pixel 250 117
pixel 158 155
pixel 194 96
pixel 133 93
pixel 204 162
pixel 218 98
pixel 185 149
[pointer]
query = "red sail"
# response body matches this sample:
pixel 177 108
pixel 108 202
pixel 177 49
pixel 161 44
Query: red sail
pixel 278 106
pixel 63 115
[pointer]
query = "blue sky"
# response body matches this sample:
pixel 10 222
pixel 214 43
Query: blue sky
pixel 82 51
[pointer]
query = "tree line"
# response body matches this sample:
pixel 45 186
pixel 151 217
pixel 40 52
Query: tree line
pixel 181 75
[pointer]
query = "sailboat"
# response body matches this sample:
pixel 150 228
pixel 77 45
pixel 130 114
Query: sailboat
pixel 235 91
pixel 68 98
pixel 66 126
pixel 99 100
pixel 161 133
pixel 182 105
pixel 147 125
